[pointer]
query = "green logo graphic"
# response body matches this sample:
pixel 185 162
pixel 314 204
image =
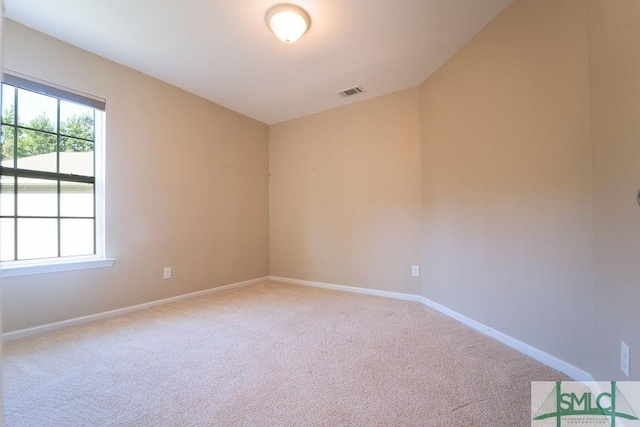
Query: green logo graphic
pixel 610 404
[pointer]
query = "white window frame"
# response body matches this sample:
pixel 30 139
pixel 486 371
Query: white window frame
pixel 71 263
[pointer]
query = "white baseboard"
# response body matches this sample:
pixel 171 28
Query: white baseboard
pixel 545 358
pixel 27 332
pixel 352 289
pixel 535 353
pixel 566 368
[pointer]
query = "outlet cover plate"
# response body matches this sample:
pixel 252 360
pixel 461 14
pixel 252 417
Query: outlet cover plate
pixel 415 270
pixel 624 358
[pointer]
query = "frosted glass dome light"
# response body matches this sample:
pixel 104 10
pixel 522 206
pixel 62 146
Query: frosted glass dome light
pixel 288 22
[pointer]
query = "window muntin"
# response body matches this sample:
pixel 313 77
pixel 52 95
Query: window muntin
pixel 49 203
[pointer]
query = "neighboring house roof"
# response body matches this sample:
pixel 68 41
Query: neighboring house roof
pixel 78 163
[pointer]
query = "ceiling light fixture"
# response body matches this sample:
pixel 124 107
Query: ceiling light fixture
pixel 288 22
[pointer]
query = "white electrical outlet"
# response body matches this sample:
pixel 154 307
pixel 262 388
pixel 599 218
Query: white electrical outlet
pixel 167 272
pixel 624 358
pixel 415 270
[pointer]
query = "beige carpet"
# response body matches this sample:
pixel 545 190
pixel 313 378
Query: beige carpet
pixel 270 355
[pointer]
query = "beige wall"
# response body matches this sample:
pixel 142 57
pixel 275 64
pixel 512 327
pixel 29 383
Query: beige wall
pixel 614 53
pixel 345 194
pixel 507 182
pixel 187 187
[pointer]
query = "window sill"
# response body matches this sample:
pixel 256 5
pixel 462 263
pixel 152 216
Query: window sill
pixel 27 269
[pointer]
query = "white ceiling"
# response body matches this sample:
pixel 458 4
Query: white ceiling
pixel 222 50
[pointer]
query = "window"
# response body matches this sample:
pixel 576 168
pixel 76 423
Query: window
pixel 51 190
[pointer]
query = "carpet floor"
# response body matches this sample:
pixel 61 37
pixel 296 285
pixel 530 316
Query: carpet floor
pixel 270 354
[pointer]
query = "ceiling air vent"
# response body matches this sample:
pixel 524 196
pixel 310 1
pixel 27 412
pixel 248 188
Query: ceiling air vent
pixel 345 93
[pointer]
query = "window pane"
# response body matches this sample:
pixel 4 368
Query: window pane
pixel 37 111
pixel 37 151
pixel 76 237
pixel 7 239
pixel 8 107
pixel 7 199
pixel 76 199
pixel 42 133
pixel 37 197
pixel 77 158
pixel 37 238
pixel 8 143
pixel 77 120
